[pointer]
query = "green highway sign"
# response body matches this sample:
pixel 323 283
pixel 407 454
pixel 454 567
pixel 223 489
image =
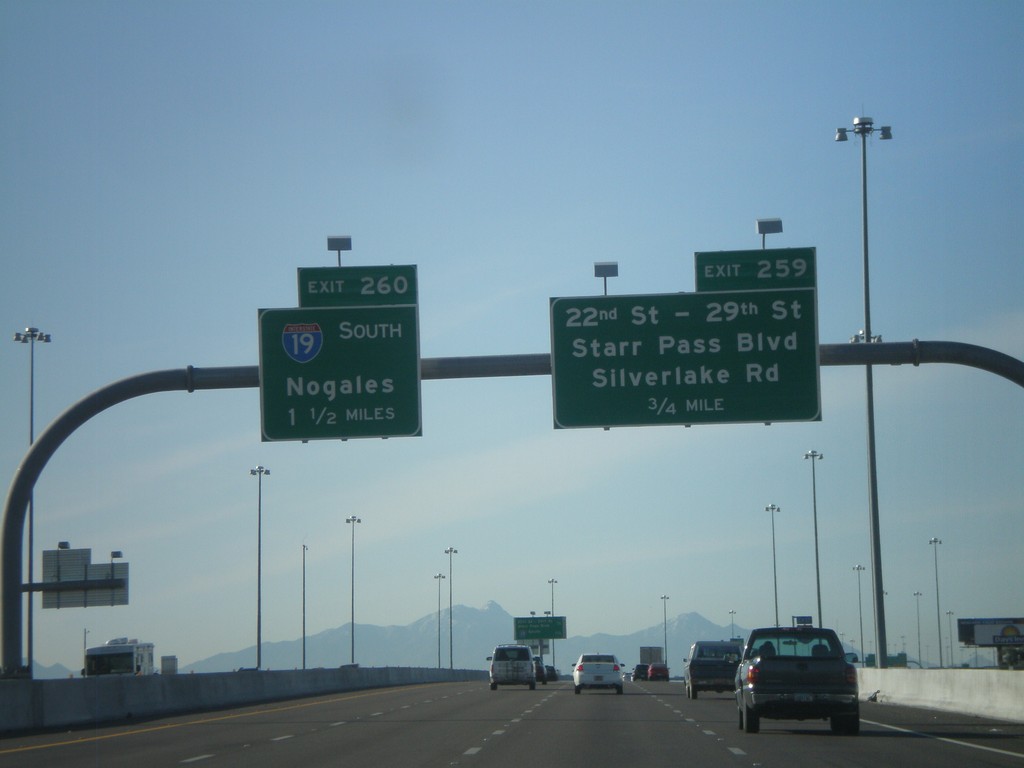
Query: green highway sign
pixel 755 270
pixel 339 372
pixel 539 627
pixel 685 358
pixel 357 286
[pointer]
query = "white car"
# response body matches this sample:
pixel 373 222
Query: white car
pixel 597 670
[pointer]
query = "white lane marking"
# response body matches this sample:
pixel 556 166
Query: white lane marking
pixel 710 733
pixel 497 733
pixel 196 759
pixel 947 740
pixel 737 751
pixel 376 714
pixel 340 722
pixel 472 750
pixel 283 738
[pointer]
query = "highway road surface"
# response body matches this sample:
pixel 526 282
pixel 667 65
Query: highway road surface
pixel 652 724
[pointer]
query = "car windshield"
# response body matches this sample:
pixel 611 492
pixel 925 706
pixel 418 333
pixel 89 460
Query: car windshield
pixel 803 645
pixel 598 657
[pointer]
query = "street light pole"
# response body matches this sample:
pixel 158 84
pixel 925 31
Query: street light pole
pixel 815 457
pixel 864 127
pixel 860 611
pixel 259 472
pixel 732 624
pixel 552 582
pixel 451 646
pixel 775 573
pixel 949 615
pixel 304 548
pixel 30 336
pixel 438 577
pixel 352 621
pixel 938 613
pixel 664 618
pixel 917 595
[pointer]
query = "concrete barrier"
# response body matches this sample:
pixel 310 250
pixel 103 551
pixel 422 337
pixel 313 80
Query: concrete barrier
pixel 994 693
pixel 42 704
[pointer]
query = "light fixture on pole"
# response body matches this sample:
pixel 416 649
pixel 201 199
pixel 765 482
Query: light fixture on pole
pixel 864 127
pixel 438 577
pixel 860 610
pixel 917 596
pixel 938 613
pixel 775 572
pixel 304 549
pixel 115 555
pixel 353 520
pixel 732 624
pixel 552 582
pixel 664 618
pixel 30 336
pixel 604 270
pixel 451 646
pixel 814 456
pixel 259 472
pixel 339 244
pixel 768 227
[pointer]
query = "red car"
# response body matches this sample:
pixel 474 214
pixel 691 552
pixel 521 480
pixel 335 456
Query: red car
pixel 657 672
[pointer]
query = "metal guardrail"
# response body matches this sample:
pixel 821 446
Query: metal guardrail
pixel 190 379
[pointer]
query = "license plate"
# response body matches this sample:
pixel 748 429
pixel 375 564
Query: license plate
pixel 599 678
pixel 803 697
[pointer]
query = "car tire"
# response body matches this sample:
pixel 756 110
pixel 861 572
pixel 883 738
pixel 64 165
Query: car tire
pixel 533 685
pixel 494 686
pixel 618 690
pixel 739 717
pixel 751 720
pixel 846 724
pixel 692 691
pixel 577 689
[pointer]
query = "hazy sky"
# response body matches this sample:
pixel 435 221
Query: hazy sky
pixel 166 168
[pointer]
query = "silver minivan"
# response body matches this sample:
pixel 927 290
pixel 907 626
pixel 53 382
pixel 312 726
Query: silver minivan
pixel 512 665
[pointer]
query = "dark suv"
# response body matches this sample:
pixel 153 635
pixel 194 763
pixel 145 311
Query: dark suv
pixel 640 672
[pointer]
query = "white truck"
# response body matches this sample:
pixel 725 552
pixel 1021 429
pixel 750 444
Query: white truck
pixel 119 656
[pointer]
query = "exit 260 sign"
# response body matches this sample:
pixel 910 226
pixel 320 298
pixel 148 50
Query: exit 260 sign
pixel 685 358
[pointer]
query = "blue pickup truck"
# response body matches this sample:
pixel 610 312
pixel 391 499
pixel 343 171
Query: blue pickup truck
pixel 711 666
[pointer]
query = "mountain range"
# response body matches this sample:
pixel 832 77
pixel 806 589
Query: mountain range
pixel 475 632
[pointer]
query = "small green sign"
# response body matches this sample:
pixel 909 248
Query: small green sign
pixel 339 372
pixel 539 627
pixel 685 358
pixel 357 286
pixel 755 270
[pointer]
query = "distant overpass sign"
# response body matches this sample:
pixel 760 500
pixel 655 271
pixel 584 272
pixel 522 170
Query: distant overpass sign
pixel 539 627
pixel 698 358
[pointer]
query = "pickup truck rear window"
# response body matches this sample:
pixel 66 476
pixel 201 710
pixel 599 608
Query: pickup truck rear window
pixel 796 646
pixel 718 651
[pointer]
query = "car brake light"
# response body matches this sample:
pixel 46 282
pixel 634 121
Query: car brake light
pixel 579 668
pixel 615 668
pixel 752 674
pixel 851 674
